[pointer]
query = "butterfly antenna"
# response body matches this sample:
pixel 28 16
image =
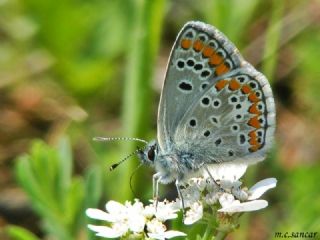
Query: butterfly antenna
pixel 101 139
pixel 131 177
pixel 113 166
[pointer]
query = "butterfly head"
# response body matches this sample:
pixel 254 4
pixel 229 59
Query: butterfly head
pixel 149 153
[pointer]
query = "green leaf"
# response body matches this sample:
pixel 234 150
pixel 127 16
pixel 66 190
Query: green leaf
pixel 93 182
pixel 65 166
pixel 19 233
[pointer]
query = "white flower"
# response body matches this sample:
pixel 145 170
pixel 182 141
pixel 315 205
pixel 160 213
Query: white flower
pixel 136 219
pixel 261 187
pixel 133 218
pixel 192 192
pixel 226 171
pixel 166 210
pixel 157 230
pixel 107 232
pixel 230 205
pixel 194 213
pixel 226 199
pixel 236 206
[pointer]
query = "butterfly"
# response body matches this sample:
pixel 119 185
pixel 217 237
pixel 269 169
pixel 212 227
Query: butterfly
pixel 214 108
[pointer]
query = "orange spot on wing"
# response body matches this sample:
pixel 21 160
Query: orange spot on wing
pixel 215 59
pixel 221 84
pixel 234 85
pixel 207 51
pixel 198 45
pixel 254 122
pixel 246 89
pixel 186 43
pixel 253 141
pixel 221 69
pixel 255 148
pixel 253 97
pixel 252 134
pixel 254 109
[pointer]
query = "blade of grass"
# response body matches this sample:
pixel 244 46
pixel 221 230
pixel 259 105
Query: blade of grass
pixel 137 90
pixel 273 39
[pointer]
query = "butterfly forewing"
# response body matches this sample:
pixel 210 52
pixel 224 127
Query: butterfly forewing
pixel 214 104
pixel 200 55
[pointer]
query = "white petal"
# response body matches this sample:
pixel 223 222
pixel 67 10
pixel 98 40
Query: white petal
pixel 166 235
pixel 211 198
pixel 226 199
pixel 104 231
pixel 245 207
pixel 194 213
pixel 173 233
pixel 136 223
pixel 138 206
pixel 227 171
pixel 120 227
pixel 227 184
pixel 156 236
pixel 149 211
pixel 99 215
pixel 114 207
pixel 240 194
pixel 155 226
pixel 261 187
pixel 166 210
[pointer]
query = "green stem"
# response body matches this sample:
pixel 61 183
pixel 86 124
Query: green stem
pixel 207 233
pixel 143 47
pixel 221 235
pixel 273 35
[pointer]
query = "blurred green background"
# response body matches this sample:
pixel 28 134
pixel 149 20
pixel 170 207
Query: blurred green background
pixel 74 69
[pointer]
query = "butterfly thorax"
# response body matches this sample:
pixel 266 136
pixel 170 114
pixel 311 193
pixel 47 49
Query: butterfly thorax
pixel 171 165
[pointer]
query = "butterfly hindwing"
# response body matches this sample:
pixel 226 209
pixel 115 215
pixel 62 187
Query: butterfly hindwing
pixel 233 120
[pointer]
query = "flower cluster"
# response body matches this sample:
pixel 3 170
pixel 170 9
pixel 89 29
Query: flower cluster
pixel 200 195
pixel 135 220
pixel 229 194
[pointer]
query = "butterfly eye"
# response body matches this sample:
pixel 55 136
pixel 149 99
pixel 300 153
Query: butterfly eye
pixel 151 153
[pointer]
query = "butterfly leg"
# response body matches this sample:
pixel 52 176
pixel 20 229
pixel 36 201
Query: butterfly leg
pixel 180 196
pixel 156 178
pixel 210 175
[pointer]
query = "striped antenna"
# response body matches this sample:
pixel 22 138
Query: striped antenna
pixel 113 166
pixel 119 139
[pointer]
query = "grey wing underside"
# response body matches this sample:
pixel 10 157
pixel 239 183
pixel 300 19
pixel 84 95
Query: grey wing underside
pixel 235 129
pixel 173 102
pixel 197 79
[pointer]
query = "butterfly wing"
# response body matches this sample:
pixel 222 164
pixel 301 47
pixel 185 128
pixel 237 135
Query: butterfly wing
pixel 191 65
pixel 213 103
